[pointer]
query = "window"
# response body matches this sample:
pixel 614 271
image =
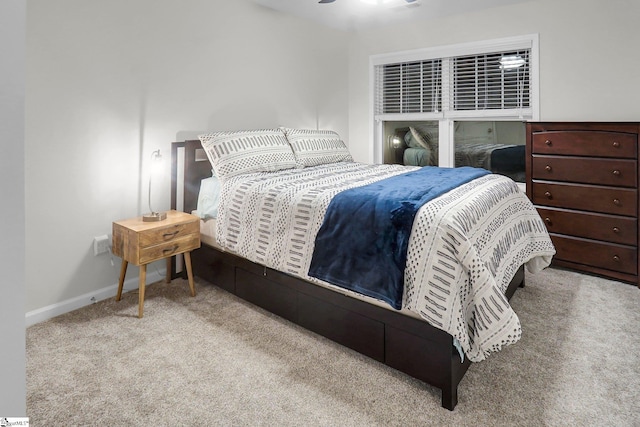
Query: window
pixel 490 80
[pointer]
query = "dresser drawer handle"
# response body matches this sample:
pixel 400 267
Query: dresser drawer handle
pixel 616 230
pixel 170 250
pixel 616 172
pixel 547 168
pixel 547 194
pixel 547 220
pixel 616 258
pixel 616 202
pixel 616 144
pixel 171 235
pixel 548 142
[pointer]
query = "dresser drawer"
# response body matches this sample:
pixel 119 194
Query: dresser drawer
pixel 173 247
pixel 156 236
pixel 586 143
pixel 619 201
pixel 588 170
pixel 610 256
pixel 609 228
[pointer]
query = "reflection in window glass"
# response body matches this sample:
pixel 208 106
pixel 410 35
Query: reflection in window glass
pixel 495 146
pixel 412 143
pixel 498 146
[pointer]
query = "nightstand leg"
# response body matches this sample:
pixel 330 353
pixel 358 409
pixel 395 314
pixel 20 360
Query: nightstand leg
pixel 167 278
pixel 143 279
pixel 187 261
pixel 123 272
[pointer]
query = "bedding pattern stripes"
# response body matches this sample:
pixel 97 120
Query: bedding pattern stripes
pixel 463 250
pixel 467 245
pixel 272 219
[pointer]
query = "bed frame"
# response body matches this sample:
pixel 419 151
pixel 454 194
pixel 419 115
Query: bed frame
pixel 409 345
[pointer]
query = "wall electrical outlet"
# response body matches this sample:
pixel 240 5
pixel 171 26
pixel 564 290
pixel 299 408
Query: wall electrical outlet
pixel 101 245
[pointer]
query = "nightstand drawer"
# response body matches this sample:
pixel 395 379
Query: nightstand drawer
pixel 587 170
pixel 167 234
pixel 173 247
pixel 586 143
pixel 618 201
pixel 609 228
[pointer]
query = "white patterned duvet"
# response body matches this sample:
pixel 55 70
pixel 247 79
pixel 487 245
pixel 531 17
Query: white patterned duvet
pixel 465 245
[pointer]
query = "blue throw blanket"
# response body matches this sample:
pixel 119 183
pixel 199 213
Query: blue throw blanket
pixel 362 243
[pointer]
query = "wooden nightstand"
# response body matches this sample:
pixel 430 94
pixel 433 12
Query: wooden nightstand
pixel 140 243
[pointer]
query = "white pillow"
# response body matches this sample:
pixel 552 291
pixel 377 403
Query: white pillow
pixel 317 147
pixel 239 152
pixel 209 198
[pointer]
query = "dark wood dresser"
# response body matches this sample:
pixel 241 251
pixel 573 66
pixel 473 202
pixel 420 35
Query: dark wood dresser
pixel 583 179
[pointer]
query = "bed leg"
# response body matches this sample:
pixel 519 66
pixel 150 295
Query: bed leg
pixel 450 397
pixel 521 283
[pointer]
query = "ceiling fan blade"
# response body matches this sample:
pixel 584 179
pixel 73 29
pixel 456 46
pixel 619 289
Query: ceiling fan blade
pixel 409 1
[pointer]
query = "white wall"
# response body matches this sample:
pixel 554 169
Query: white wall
pixel 12 226
pixel 108 82
pixel 589 57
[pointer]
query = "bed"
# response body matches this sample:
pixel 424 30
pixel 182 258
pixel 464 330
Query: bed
pixel 228 258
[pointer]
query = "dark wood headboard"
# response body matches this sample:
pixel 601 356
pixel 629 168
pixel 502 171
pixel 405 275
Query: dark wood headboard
pixel 196 167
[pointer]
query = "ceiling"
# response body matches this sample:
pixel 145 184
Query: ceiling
pixel 350 15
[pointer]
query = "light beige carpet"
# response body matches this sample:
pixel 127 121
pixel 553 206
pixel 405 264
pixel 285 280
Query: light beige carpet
pixel 216 360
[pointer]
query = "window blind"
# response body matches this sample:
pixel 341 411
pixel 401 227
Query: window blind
pixel 409 87
pixel 497 81
pixel 492 81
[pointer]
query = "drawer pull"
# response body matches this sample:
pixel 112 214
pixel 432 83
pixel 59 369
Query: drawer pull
pixel 547 168
pixel 616 230
pixel 547 220
pixel 616 202
pixel 616 144
pixel 616 172
pixel 170 250
pixel 168 236
pixel 547 194
pixel 616 258
pixel 548 142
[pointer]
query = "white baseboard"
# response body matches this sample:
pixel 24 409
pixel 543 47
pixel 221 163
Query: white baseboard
pixel 51 311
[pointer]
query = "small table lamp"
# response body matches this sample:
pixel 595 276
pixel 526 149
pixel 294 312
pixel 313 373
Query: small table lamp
pixel 156 163
pixel 395 142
